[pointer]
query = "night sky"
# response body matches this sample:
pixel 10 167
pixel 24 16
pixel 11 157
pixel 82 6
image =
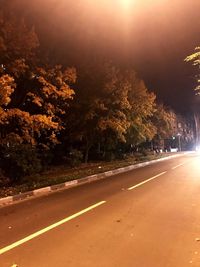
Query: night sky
pixel 152 36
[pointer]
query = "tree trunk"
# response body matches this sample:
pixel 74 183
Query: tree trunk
pixel 87 149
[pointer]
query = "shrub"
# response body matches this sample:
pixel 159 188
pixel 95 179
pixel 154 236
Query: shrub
pixel 20 160
pixel 109 156
pixel 75 158
pixel 138 155
pixel 147 152
pixel 3 179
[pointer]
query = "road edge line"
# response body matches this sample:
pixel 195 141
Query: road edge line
pixel 69 184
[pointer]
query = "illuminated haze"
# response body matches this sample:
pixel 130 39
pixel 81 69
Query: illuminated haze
pixel 153 36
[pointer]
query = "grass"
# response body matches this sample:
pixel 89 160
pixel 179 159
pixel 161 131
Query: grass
pixel 60 174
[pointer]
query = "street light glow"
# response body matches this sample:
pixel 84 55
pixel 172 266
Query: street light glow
pixel 126 2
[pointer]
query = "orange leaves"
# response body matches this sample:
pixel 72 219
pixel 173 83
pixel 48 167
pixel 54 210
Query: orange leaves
pixel 7 86
pixel 69 75
pixel 115 101
pixel 27 128
pixel 50 95
pixel 18 67
pixel 42 94
pixel 165 121
pixel 43 122
pixel 35 99
pixel 117 122
pixel 132 106
pixel 195 59
pixel 53 83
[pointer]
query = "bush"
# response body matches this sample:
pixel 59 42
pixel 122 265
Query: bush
pixel 109 156
pixel 75 158
pixel 20 160
pixel 3 179
pixel 147 152
pixel 138 155
pixel 45 156
pixel 121 155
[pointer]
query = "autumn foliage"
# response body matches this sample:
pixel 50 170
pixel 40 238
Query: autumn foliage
pixel 52 114
pixel 195 59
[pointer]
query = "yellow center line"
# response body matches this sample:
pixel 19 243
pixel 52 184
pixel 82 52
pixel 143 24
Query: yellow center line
pixel 177 166
pixel 42 231
pixel 146 181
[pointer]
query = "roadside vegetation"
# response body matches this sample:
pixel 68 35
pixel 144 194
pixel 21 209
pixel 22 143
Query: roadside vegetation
pixel 53 115
pixel 63 173
pixel 195 60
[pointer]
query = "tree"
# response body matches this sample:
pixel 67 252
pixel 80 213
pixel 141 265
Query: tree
pixel 142 104
pixel 30 90
pixel 195 59
pixel 17 40
pixel 111 106
pixel 165 121
pixel 50 91
pixel 7 86
pixel 34 95
pixel 99 108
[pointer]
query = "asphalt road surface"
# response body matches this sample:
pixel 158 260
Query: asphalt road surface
pixel 148 217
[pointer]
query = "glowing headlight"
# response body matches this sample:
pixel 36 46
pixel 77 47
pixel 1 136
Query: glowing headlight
pixel 198 148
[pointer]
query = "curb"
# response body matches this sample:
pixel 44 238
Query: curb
pixel 87 179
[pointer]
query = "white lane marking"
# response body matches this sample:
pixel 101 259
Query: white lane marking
pixel 42 231
pixel 177 166
pixel 146 181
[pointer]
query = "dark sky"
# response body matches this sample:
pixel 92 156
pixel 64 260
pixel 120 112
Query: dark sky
pixel 153 36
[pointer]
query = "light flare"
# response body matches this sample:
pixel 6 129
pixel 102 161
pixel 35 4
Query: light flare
pixel 127 5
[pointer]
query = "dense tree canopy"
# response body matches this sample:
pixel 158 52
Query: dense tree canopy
pixel 48 109
pixel 32 95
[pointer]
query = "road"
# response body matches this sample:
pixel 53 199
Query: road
pixel 148 217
